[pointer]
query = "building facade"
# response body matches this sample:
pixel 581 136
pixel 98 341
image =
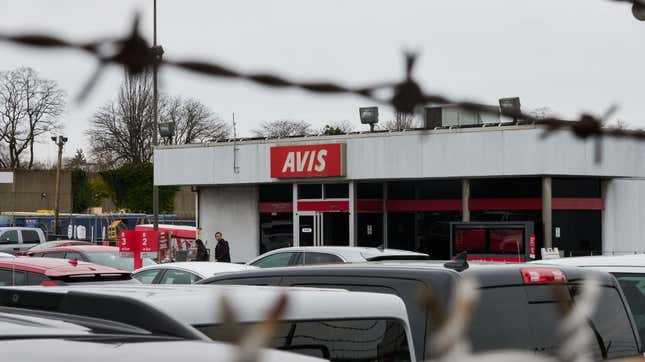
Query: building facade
pixel 406 189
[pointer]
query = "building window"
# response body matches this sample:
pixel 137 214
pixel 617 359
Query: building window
pixel 336 191
pixel 276 231
pixel 276 193
pixel 424 190
pixel 369 229
pixel 369 191
pixel 309 191
pixel 576 187
pixel 578 232
pixel 484 188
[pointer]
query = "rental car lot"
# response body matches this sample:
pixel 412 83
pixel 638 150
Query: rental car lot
pixel 517 309
pixel 331 324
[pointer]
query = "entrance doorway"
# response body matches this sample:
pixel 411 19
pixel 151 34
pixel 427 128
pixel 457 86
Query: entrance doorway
pixel 317 228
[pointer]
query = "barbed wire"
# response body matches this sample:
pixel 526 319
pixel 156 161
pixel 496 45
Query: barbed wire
pixel 136 55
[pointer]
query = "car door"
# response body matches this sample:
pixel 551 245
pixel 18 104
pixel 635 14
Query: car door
pixel 9 241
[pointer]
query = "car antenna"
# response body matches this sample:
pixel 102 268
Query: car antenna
pixel 460 263
pixel 381 247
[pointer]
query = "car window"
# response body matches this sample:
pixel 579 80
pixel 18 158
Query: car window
pixel 56 254
pixel 115 260
pixel 11 277
pixel 30 237
pixel 9 237
pixel 368 339
pixel 174 276
pixel 74 255
pixel 35 278
pixel 321 258
pixel 146 276
pixel 633 286
pixel 274 260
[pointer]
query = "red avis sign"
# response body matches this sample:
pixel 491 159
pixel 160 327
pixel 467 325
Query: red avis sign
pixel 327 160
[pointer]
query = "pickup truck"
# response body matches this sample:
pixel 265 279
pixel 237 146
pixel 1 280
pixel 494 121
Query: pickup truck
pixel 16 239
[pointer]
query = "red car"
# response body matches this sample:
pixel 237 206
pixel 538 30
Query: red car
pixel 23 270
pixel 97 254
pixel 52 244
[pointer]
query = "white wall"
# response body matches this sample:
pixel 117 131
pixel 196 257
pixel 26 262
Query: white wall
pixel 233 210
pixel 624 216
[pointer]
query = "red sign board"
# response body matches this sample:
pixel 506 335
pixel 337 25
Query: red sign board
pixel 128 243
pixel 326 160
pixel 139 244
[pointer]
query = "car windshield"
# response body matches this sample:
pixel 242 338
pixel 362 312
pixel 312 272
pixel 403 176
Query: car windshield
pixel 115 260
pixel 53 244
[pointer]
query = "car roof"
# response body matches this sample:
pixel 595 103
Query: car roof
pixel 115 350
pixel 20 326
pixel 55 267
pixel 198 304
pixel 3 228
pixel 81 249
pixel 349 253
pixel 637 260
pixel 203 268
pixel 486 274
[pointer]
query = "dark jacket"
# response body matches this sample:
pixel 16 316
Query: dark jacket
pixel 222 252
pixel 202 252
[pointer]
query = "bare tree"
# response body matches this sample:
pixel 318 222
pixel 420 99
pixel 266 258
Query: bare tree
pixel 282 128
pixel 194 122
pixel 29 108
pixel 618 124
pixel 401 121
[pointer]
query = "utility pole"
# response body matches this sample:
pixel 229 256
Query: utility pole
pixel 60 142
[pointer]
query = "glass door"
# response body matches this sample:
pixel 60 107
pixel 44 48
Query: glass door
pixel 309 228
pixel 335 229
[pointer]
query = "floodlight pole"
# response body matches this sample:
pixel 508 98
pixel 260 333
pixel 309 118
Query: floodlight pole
pixel 155 101
pixel 60 141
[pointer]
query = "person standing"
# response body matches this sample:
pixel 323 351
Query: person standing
pixel 202 251
pixel 222 252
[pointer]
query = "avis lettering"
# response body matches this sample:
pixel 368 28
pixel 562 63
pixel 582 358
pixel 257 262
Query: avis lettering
pixel 300 161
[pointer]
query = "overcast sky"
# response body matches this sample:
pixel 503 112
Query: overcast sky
pixel 567 55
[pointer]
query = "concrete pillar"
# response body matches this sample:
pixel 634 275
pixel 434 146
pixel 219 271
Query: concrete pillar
pixel 353 215
pixel 547 212
pixel 296 219
pixel 465 199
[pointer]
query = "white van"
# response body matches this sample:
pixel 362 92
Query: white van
pixel 331 324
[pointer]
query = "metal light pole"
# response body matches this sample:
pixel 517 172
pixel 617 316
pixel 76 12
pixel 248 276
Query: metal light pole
pixel 155 101
pixel 60 142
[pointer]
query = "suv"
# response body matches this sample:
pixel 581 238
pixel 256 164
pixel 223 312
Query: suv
pixel 629 270
pixel 331 324
pixel 516 309
pixel 16 239
pixel 68 329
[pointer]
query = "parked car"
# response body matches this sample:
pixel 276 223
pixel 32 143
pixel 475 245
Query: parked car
pixel 15 239
pixel 97 254
pixel 52 244
pixel 23 270
pixel 187 272
pixel 332 324
pixel 629 270
pixel 311 255
pixel 513 312
pixel 66 336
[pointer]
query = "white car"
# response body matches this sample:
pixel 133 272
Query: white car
pixel 187 272
pixel 331 324
pixel 629 270
pixel 311 255
pixel 6 255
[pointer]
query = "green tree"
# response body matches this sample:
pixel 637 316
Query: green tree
pixel 81 193
pixel 99 190
pixel 131 185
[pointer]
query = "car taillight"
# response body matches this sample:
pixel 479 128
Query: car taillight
pixel 51 283
pixel 543 275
